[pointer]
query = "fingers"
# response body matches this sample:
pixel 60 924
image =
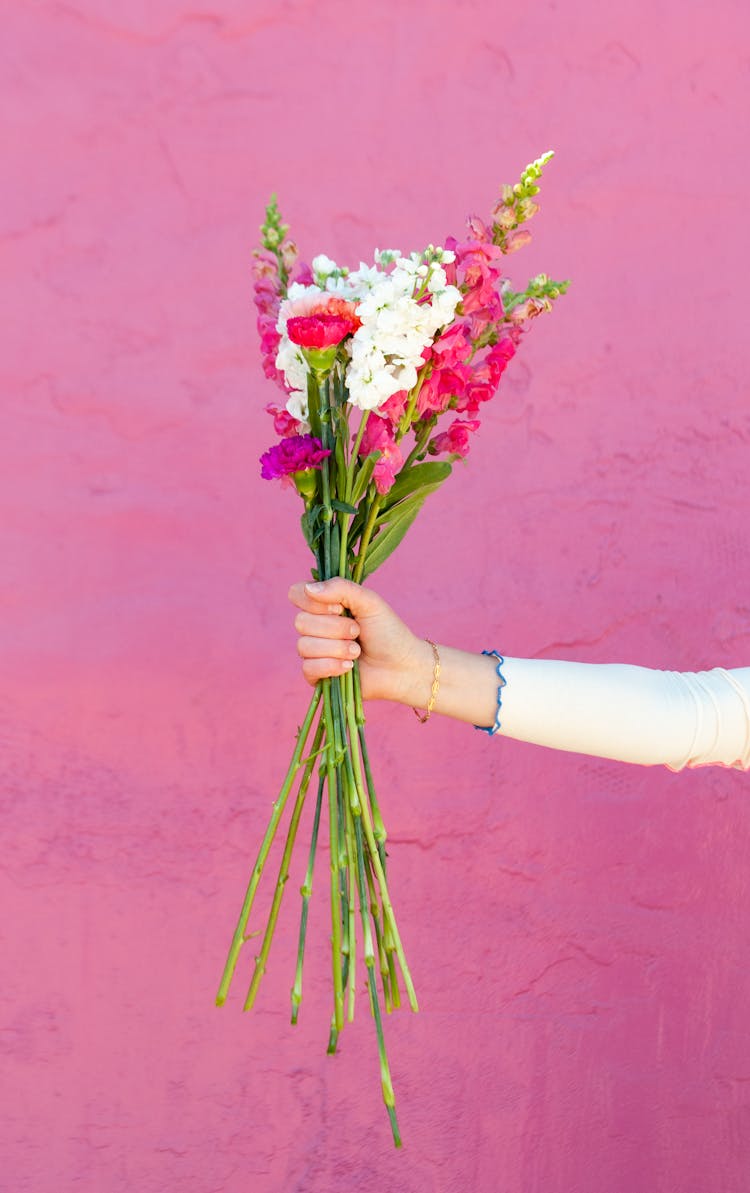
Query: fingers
pixel 320 625
pixel 326 642
pixel 330 595
pixel 315 669
pixel 299 597
pixel 323 648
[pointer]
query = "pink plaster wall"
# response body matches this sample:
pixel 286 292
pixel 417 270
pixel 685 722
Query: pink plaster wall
pixel 577 930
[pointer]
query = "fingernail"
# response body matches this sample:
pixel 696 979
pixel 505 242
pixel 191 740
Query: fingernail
pixel 347 665
pixel 314 587
pixel 335 608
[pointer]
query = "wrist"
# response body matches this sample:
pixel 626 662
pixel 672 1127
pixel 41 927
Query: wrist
pixel 414 686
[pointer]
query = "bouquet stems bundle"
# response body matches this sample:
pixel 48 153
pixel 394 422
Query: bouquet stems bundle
pixel 400 347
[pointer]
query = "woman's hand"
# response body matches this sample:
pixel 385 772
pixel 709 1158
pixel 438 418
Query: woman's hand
pixel 393 663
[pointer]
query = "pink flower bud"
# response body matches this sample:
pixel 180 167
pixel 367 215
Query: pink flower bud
pixel 517 240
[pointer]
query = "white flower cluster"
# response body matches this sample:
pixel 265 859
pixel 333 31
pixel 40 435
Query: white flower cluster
pixel 386 351
pixel 403 302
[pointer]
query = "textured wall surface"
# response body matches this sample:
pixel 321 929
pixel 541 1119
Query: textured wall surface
pixel 577 930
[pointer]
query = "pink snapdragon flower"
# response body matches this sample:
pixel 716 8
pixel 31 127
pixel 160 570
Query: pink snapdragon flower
pixel 486 377
pixel 442 388
pixel 478 230
pixel 529 309
pixel 452 348
pixel 300 453
pixel 379 436
pixel 302 274
pixel 393 408
pixel 517 240
pixel 478 277
pixel 284 423
pixel 450 374
pixel 455 440
pixel 267 287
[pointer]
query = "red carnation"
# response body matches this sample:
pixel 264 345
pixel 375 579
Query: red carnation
pixel 318 331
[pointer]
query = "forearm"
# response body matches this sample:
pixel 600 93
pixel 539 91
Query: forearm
pixel 632 714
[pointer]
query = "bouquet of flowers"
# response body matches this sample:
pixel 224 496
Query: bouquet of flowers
pixel 384 370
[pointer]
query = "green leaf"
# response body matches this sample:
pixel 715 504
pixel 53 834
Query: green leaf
pixel 364 475
pixel 389 538
pixel 420 478
pixel 307 528
pixel 343 507
pixel 312 525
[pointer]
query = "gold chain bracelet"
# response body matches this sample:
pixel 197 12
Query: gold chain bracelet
pixel 435 686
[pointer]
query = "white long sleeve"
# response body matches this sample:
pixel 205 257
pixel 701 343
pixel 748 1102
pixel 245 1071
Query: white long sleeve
pixel 632 714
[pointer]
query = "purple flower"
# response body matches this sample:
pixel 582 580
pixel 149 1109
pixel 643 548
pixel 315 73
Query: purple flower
pixel 299 453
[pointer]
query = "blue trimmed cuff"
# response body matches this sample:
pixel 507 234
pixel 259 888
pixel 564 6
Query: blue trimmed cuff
pixel 492 729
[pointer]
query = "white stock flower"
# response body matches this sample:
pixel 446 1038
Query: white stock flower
pixel 290 362
pixel 363 280
pixel 323 265
pixel 444 304
pixel 295 291
pixel 437 279
pixel 386 256
pixel 385 352
pixel 296 404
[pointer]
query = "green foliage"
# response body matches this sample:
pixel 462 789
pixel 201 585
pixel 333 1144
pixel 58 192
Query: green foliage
pixel 312 524
pixel 364 476
pixel 541 290
pixel 343 507
pixel 420 478
pixel 390 537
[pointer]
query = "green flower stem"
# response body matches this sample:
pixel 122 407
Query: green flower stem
pixel 363 896
pixel 343 871
pixel 333 1038
pixel 365 540
pixel 325 436
pixel 278 808
pixel 338 996
pixel 390 951
pixel 361 812
pixel 346 883
pixel 345 524
pixel 389 917
pixel 376 923
pixel 348 863
pixel 306 892
pixel 377 819
pixel 355 454
pixel 352 922
pixel 385 1074
pixel 420 444
pixel 281 881
pixel 313 405
pixel 345 520
pixel 408 415
pixel 339 422
pixel 358 791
